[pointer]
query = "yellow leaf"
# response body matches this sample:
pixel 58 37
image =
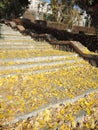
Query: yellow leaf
pixel 9 97
pixel 1 83
pixel 1 115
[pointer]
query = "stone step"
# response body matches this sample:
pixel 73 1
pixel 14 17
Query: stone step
pixel 39 59
pixel 12 53
pixel 3 44
pixel 16 40
pixel 8 36
pixel 24 44
pixel 25 47
pixel 6 29
pixel 11 34
pixel 38 71
pixel 42 69
pixel 9 31
pixel 3 25
pixel 54 105
pixel 22 49
pixel 44 64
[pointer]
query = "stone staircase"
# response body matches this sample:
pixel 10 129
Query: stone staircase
pixel 13 42
pixel 29 71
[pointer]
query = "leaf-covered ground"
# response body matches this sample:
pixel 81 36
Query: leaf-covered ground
pixel 64 116
pixel 21 94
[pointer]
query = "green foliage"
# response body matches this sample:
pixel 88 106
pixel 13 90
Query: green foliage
pixel 87 5
pixel 62 9
pixel 90 2
pixel 13 7
pixel 1 5
pixel 49 17
pixel 54 6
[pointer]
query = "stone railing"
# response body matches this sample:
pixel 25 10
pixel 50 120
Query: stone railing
pixel 77 47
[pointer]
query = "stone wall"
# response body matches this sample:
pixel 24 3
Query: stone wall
pixel 55 25
pixel 90 41
pixel 88 30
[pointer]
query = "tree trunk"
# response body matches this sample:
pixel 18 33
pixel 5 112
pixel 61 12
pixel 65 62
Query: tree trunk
pixel 95 22
pixel 96 29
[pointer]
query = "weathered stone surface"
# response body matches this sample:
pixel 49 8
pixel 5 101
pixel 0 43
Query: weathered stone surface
pixel 21 28
pixel 13 24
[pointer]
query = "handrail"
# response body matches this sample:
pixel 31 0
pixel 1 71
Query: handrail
pixel 79 48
